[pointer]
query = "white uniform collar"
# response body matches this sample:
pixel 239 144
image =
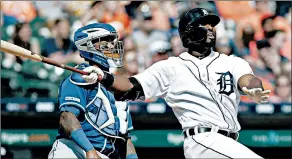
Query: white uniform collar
pixel 188 57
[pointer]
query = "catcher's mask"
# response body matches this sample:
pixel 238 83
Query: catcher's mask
pixel 98 43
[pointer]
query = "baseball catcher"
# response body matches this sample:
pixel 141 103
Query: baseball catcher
pixel 92 123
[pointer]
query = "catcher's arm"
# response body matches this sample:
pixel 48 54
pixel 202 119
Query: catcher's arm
pixel 69 122
pixel 72 127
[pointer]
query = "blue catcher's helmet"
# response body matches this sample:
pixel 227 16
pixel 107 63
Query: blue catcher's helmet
pixel 98 43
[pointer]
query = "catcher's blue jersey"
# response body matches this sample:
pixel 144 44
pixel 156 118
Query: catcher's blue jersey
pixel 96 109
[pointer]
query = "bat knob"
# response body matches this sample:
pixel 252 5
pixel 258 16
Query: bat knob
pixel 100 78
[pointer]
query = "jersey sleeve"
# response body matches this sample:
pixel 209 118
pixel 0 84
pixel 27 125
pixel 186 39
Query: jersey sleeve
pixel 156 79
pixel 69 108
pixel 71 95
pixel 240 68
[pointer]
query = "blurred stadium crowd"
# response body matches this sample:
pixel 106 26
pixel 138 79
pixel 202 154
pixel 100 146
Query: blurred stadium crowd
pixel 258 31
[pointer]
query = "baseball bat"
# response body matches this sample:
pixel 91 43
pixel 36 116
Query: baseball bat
pixel 22 52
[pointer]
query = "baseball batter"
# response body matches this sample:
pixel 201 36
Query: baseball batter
pixel 203 88
pixel 92 123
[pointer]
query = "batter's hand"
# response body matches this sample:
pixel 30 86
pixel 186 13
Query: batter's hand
pixel 92 154
pixel 95 74
pixel 257 94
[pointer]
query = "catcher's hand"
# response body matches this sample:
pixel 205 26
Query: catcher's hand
pixel 257 94
pixel 95 74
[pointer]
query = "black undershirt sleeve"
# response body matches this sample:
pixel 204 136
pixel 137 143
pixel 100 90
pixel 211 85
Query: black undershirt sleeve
pixel 135 93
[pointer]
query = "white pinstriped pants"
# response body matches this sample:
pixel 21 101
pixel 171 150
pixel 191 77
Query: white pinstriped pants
pixel 215 145
pixel 64 148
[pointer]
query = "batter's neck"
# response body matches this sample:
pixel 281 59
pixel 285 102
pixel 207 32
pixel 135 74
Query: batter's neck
pixel 200 54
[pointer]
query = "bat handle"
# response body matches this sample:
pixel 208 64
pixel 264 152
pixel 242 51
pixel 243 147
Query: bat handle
pixel 75 70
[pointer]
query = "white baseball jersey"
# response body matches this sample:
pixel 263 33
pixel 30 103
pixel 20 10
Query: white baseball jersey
pixel 201 92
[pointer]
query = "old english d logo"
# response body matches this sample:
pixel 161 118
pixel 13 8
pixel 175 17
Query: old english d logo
pixel 226 83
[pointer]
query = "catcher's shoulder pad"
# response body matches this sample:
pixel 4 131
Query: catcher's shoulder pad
pixel 76 78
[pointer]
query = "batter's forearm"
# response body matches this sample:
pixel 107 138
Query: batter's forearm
pixel 69 122
pixel 116 83
pixel 121 84
pixel 124 88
